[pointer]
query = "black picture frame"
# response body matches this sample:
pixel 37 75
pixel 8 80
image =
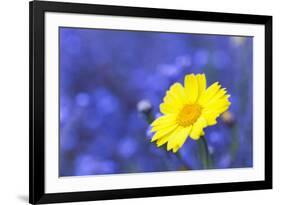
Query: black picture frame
pixel 37 194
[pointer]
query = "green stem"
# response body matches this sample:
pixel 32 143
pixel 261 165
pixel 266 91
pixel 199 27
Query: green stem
pixel 204 153
pixel 149 117
pixel 234 141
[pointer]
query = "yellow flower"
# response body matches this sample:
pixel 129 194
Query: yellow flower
pixel 187 110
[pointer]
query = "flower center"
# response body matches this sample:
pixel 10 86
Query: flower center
pixel 188 115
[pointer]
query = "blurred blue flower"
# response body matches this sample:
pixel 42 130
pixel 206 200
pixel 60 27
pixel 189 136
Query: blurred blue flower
pixel 215 137
pixel 220 59
pixel 144 106
pixel 168 70
pixel 105 102
pixel 149 133
pixel 224 161
pixel 87 165
pixel 183 61
pixel 82 99
pixel 127 147
pixel 201 58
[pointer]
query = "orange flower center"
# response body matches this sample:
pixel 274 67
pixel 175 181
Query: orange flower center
pixel 188 115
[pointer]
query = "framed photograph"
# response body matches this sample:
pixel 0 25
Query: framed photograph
pixel 141 102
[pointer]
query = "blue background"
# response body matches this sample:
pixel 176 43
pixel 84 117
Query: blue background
pixel 104 74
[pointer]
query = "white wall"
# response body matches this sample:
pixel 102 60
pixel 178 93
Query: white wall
pixel 14 100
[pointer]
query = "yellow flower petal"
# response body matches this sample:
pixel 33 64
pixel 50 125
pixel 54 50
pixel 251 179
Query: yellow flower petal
pixel 162 132
pixel 178 139
pixel 202 83
pixel 164 139
pixel 218 106
pixel 164 119
pixel 163 126
pixel 168 108
pixel 176 95
pixel 220 94
pixel 191 88
pixel 197 128
pixel 210 117
pixel 172 98
pixel 208 94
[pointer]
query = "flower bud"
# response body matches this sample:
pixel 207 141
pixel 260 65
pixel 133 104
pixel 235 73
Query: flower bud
pixel 228 118
pixel 144 106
